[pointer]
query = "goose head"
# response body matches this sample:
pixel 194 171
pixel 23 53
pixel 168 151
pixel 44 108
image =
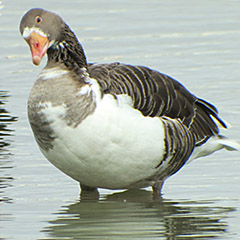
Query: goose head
pixel 41 29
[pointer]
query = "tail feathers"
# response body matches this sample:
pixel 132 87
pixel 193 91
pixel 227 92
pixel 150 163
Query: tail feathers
pixel 229 144
pixel 214 144
pixel 212 111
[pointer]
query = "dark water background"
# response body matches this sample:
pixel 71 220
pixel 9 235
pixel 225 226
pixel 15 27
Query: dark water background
pixel 196 42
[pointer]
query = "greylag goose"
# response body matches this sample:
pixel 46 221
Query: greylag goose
pixel 113 126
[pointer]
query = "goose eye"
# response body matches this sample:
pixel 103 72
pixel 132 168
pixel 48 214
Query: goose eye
pixel 38 19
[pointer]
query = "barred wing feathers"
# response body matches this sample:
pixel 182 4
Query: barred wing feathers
pixel 188 121
pixel 158 95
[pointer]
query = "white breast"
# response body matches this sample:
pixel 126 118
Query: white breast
pixel 114 147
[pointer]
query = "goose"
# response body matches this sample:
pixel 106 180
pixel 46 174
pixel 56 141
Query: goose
pixel 115 125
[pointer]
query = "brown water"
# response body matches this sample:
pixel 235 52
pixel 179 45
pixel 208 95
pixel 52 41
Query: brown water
pixel 196 43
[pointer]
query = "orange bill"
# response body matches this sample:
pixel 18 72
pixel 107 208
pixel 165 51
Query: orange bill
pixel 38 45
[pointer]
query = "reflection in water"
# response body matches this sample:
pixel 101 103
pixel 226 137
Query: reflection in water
pixel 134 215
pixel 5 120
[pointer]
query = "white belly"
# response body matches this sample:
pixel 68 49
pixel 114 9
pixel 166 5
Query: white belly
pixel 115 147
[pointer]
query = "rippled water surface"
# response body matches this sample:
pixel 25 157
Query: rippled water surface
pixel 196 42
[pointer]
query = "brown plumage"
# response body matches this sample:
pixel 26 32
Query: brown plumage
pixel 157 95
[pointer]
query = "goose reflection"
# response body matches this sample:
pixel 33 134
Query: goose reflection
pixel 135 215
pixel 5 131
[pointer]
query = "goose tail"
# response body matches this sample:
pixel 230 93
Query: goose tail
pixel 215 143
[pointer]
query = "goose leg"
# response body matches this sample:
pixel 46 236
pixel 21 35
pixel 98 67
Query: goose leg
pixel 157 188
pixel 88 193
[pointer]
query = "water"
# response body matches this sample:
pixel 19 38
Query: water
pixel 196 43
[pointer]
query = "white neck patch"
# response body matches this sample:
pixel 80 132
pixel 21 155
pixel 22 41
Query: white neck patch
pixel 28 31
